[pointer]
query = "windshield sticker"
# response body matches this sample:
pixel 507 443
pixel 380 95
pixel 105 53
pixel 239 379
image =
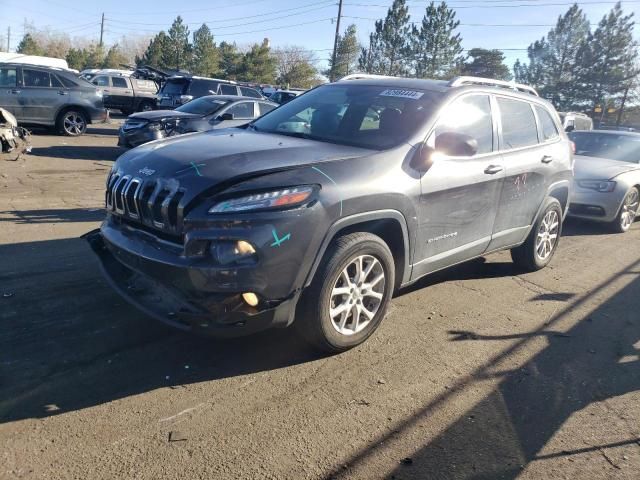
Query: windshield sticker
pixel 402 93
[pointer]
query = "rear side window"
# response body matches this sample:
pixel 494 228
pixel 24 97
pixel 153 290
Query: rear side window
pixel 35 78
pixel 55 82
pixel 67 83
pixel 242 110
pixel 249 92
pixel 175 87
pixel 518 123
pixel 548 130
pixel 119 82
pixel 469 115
pixel 7 77
pixel 200 88
pixel 228 89
pixel 265 107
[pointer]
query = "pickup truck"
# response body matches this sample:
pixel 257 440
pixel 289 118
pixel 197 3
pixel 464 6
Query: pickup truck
pixel 126 93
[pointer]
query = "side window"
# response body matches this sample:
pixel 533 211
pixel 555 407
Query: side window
pixel 35 78
pixel 55 82
pixel 201 88
pixel 548 128
pixel 469 115
pixel 67 83
pixel 518 123
pixel 275 97
pixel 101 81
pixel 7 77
pixel 249 92
pixel 119 82
pixel 242 110
pixel 228 89
pixel 265 107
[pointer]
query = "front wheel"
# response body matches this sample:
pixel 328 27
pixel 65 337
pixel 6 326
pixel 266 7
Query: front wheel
pixel 628 211
pixel 349 295
pixel 541 244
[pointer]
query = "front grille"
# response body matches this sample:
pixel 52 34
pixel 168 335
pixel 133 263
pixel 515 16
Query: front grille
pixel 154 203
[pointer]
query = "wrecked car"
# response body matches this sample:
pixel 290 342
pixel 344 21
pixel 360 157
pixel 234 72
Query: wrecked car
pixel 14 140
pixel 233 231
pixel 199 115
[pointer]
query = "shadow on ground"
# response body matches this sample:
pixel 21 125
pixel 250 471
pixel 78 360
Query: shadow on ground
pixel 54 215
pixel 79 152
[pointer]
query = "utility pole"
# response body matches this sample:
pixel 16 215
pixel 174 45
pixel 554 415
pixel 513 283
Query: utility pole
pixel 101 29
pixel 8 39
pixel 335 42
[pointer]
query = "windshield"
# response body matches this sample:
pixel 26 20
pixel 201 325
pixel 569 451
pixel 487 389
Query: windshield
pixel 175 87
pixel 203 106
pixel 374 117
pixel 625 148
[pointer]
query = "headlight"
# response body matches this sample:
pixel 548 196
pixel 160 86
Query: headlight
pixel 598 185
pixel 98 92
pixel 283 198
pixel 154 126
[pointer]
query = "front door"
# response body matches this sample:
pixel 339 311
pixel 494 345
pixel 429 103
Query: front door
pixel 459 194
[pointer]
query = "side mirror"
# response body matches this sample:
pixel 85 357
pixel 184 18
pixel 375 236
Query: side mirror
pixel 225 116
pixel 423 158
pixel 456 144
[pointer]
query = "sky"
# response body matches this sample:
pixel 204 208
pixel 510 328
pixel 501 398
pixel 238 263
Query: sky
pixel 510 25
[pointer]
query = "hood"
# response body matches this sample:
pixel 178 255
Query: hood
pixel 594 168
pixel 199 161
pixel 160 114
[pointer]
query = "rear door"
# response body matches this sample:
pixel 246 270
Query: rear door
pixel 121 92
pixel 9 90
pixel 40 96
pixel 460 194
pixel 529 142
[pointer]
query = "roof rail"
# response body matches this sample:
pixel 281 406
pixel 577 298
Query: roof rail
pixel 363 76
pixel 465 80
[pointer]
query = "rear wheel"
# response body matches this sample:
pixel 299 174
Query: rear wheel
pixel 628 211
pixel 72 123
pixel 541 244
pixel 145 106
pixel 349 295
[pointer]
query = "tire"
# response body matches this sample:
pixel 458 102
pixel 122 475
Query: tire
pixel 338 270
pixel 145 106
pixel 72 123
pixel 628 211
pixel 126 111
pixel 541 244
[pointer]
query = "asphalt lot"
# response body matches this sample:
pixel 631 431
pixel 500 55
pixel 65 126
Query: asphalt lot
pixel 479 372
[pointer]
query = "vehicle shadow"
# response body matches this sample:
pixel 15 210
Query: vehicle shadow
pixel 573 227
pixel 79 152
pixel 55 215
pixel 597 359
pixel 69 342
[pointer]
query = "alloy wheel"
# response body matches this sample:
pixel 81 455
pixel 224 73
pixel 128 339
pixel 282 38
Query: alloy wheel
pixel 629 209
pixel 357 295
pixel 74 124
pixel 547 235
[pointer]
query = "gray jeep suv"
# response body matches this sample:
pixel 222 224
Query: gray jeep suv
pixel 52 97
pixel 322 208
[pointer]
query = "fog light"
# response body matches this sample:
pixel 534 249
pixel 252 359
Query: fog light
pixel 244 248
pixel 250 298
pixel 228 253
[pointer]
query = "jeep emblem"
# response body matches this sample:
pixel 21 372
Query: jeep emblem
pixel 147 171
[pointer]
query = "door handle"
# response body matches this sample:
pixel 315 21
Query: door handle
pixel 547 159
pixel 15 90
pixel 492 169
pixel 62 92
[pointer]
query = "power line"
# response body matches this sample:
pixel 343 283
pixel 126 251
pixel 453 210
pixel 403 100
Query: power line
pixel 484 6
pixel 182 12
pixel 473 24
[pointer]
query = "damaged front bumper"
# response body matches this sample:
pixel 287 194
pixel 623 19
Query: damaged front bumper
pixel 14 140
pixel 149 285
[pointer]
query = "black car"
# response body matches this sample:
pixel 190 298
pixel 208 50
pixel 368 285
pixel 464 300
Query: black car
pixel 315 213
pixel 50 97
pixel 180 89
pixel 204 113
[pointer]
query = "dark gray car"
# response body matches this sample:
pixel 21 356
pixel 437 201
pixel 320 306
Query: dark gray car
pixel 199 115
pixel 52 97
pixel 314 214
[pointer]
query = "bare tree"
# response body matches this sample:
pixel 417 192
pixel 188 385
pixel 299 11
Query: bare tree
pixel 296 67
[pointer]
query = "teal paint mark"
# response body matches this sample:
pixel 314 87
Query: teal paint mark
pixel 331 180
pixel 279 241
pixel 193 166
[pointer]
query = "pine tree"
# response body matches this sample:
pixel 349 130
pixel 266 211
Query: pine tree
pixel 230 61
pixel 481 62
pixel 95 56
pixel 347 52
pixel 179 50
pixel 205 54
pixel 608 59
pixel 258 65
pixel 389 48
pixel 77 58
pixel 435 47
pixel 156 53
pixel 29 46
pixel 534 73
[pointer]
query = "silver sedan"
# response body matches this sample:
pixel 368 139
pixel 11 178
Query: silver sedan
pixel 606 177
